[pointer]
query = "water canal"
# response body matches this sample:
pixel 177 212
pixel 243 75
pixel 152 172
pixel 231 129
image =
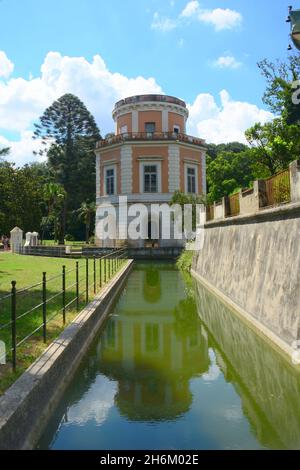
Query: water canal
pixel 174 368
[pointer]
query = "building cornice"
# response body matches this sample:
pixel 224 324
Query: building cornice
pixel 150 106
pixel 148 143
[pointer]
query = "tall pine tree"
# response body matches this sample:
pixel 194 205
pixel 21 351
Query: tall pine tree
pixel 71 131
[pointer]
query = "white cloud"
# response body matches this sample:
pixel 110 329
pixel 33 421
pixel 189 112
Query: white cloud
pixel 163 24
pixel 190 9
pixel 226 122
pixel 23 101
pixel 220 18
pixel 6 66
pixel 21 151
pixel 95 404
pixel 227 62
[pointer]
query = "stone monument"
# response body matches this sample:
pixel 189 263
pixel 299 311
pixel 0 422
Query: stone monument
pixel 32 239
pixel 16 239
pixel 28 238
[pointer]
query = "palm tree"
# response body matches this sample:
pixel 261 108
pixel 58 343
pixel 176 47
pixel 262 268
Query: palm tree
pixel 85 213
pixel 54 196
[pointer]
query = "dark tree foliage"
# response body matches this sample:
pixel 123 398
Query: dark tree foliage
pixel 72 133
pixel 21 197
pixel 280 77
pixel 66 120
pixel 40 170
pixel 4 152
pixel 213 150
pixel 229 172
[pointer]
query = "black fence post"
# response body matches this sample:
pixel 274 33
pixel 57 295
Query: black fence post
pixel 105 270
pixel 44 308
pixel 64 293
pixel 13 325
pixel 87 280
pixel 77 286
pixel 109 267
pixel 94 274
pixel 100 273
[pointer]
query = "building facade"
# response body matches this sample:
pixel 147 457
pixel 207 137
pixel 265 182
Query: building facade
pixel 149 157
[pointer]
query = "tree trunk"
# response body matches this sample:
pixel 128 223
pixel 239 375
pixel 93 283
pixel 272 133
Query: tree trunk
pixel 87 232
pixel 63 224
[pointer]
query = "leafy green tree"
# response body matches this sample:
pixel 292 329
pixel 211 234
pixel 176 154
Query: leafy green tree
pixel 278 95
pixel 86 213
pixel 71 132
pixel 54 197
pixel 21 197
pixel 41 171
pixel 275 144
pixel 213 150
pixel 230 171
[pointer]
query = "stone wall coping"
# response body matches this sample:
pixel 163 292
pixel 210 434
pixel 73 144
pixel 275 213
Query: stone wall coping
pixel 284 211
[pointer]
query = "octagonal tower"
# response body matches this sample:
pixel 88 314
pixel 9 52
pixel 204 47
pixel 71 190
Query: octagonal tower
pixel 150 156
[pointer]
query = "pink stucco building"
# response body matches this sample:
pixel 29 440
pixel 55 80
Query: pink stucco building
pixel 150 156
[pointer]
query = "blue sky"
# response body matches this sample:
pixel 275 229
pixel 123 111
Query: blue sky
pixel 190 49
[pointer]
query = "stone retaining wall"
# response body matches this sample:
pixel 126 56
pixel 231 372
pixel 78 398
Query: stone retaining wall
pixel 253 263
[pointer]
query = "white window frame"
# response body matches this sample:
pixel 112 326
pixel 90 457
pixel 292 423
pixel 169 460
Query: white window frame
pixel 142 172
pixel 124 130
pixel 195 168
pixel 106 169
pixel 176 128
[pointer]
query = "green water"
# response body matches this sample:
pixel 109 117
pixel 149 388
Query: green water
pixel 173 368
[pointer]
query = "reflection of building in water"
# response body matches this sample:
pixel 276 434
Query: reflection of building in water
pixel 153 354
pixel 269 387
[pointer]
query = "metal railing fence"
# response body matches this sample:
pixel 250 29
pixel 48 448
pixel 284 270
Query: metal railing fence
pixel 27 312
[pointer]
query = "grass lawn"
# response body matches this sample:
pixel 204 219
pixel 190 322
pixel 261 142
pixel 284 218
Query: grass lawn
pixel 27 271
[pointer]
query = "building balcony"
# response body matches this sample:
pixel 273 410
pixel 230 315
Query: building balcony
pixel 150 137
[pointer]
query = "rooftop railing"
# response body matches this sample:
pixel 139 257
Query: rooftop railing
pixel 150 97
pixel 149 136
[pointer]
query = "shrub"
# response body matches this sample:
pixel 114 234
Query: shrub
pixel 184 262
pixel 69 238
